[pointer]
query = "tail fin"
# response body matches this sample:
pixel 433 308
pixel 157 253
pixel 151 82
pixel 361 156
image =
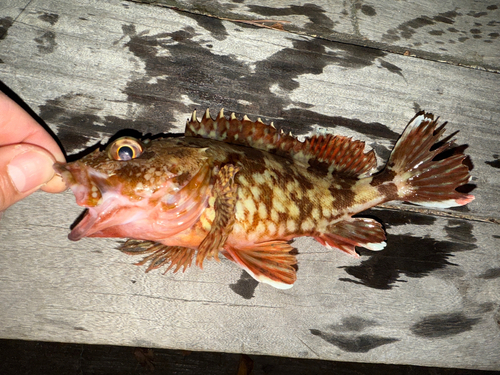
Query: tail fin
pixel 427 171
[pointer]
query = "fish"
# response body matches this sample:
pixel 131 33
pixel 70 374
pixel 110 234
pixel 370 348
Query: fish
pixel 245 189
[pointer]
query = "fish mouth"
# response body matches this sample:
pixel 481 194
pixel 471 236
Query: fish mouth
pixel 88 187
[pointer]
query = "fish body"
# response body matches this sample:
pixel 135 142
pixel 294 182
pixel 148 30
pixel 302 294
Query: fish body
pixel 246 190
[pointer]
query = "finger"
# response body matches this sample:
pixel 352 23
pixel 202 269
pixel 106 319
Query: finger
pixel 23 169
pixel 17 126
pixel 55 185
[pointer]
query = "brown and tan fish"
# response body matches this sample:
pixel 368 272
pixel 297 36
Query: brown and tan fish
pixel 246 190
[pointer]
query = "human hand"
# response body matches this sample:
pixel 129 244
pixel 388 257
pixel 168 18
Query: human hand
pixel 27 153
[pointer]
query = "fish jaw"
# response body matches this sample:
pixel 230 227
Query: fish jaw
pixel 116 216
pixel 149 214
pixel 107 206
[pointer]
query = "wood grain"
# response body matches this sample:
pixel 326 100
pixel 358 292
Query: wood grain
pixel 90 69
pixel 456 32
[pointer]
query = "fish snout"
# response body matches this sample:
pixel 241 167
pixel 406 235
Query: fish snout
pixel 87 184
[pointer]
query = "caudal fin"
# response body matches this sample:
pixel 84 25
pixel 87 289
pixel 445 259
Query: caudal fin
pixel 425 170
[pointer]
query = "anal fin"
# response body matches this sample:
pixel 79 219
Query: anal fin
pixel 160 255
pixel 348 234
pixel 268 262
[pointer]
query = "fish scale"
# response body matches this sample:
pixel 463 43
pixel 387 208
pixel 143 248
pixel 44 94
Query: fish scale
pixel 245 189
pixel 280 204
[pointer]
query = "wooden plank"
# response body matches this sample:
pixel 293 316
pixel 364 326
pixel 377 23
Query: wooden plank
pixel 9 11
pixel 431 298
pixel 364 93
pixel 459 32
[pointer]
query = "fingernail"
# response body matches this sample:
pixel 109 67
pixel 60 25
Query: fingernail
pixel 30 170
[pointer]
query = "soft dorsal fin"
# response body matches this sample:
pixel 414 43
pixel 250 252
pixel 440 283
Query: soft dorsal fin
pixel 337 154
pixel 341 154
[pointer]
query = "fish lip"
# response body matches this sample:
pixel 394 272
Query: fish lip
pixel 84 181
pixel 83 226
pixel 62 170
pixel 81 190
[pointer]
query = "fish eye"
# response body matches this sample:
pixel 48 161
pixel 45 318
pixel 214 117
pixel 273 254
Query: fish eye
pixel 124 149
pixel 126 153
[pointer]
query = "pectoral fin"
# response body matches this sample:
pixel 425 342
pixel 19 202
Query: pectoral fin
pixel 348 234
pixel 225 201
pixel 160 255
pixel 268 262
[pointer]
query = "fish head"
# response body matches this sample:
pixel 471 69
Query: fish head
pixel 133 187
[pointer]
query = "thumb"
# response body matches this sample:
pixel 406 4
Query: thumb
pixel 23 169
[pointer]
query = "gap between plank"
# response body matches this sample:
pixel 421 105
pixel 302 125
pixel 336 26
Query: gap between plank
pixel 427 211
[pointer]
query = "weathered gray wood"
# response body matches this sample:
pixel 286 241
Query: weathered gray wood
pixel 426 300
pixel 90 69
pixel 459 32
pixel 66 71
pixel 9 11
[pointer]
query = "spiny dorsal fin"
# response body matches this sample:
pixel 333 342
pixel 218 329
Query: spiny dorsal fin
pixel 333 152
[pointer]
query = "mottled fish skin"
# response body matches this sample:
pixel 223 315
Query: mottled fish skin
pixel 245 189
pixel 276 197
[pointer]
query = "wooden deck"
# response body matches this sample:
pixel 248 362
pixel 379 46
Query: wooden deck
pixel 91 68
